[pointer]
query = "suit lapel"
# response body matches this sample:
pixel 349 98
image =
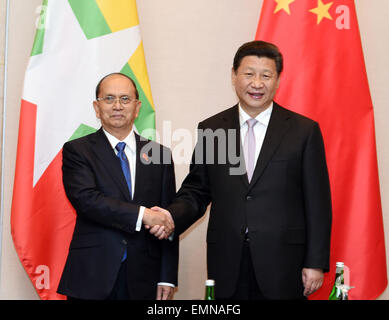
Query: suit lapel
pixel 278 126
pixel 231 120
pixel 104 152
pixel 140 171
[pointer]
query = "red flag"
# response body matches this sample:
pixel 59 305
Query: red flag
pixel 44 210
pixel 325 79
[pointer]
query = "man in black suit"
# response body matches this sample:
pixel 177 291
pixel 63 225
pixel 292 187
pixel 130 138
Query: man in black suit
pixel 111 178
pixel 269 226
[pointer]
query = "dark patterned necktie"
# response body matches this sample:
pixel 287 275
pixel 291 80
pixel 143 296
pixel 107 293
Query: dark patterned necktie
pixel 125 165
pixel 127 173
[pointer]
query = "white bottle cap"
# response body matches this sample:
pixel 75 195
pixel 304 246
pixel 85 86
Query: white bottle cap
pixel 340 264
pixel 209 282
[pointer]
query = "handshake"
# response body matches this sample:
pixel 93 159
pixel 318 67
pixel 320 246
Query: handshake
pixel 159 221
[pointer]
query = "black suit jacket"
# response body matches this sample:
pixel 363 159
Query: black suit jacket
pixel 106 219
pixel 286 207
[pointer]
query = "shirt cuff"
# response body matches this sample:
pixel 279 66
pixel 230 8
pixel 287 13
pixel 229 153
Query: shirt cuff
pixel 171 237
pixel 140 218
pixel 166 284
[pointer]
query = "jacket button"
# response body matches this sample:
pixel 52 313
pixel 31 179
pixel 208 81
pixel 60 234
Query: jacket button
pixel 124 241
pixel 248 198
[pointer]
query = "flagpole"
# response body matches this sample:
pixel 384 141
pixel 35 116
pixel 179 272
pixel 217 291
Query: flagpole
pixel 5 78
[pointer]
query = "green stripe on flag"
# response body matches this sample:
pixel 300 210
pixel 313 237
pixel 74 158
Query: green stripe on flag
pixel 90 18
pixel 81 131
pixel 40 31
pixel 146 117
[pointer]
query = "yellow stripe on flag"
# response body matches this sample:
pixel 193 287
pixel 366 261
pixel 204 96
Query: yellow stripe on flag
pixel 119 14
pixel 138 65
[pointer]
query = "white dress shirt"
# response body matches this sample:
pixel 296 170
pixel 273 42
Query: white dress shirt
pixel 130 151
pixel 259 129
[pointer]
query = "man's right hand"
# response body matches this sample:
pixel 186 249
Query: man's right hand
pixel 161 220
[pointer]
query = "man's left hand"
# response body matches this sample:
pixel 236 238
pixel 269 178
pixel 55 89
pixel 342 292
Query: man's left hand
pixel 312 280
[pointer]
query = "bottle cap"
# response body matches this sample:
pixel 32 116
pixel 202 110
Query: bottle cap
pixel 340 264
pixel 209 282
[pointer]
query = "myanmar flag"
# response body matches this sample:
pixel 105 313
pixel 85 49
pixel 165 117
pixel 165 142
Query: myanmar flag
pixel 325 79
pixel 76 44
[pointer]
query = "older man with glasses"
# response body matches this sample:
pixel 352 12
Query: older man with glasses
pixel 111 255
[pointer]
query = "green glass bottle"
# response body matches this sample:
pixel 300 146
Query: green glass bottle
pixel 209 290
pixel 336 293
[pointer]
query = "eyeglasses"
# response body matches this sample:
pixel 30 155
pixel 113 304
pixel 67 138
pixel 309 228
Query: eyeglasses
pixel 122 99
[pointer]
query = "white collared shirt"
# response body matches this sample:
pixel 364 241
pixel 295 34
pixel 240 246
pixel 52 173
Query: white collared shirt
pixel 130 151
pixel 259 129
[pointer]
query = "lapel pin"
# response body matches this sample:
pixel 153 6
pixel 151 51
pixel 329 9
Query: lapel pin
pixel 145 157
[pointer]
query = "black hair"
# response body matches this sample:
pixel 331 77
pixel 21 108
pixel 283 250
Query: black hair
pixel 259 49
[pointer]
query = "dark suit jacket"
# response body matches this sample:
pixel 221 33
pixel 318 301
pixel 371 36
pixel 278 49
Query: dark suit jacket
pixel 286 207
pixel 106 219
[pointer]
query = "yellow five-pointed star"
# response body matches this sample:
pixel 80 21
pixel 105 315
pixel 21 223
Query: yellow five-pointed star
pixel 322 11
pixel 283 5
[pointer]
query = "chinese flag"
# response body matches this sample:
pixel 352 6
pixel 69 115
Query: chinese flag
pixel 325 79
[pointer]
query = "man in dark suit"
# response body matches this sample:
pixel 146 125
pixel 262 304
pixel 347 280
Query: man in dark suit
pixel 111 178
pixel 263 168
